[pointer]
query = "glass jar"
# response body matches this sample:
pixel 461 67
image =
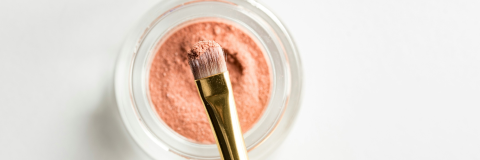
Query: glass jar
pixel 131 79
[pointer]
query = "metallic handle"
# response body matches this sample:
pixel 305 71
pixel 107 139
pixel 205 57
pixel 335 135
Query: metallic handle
pixel 217 97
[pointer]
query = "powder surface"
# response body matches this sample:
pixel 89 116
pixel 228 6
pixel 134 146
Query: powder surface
pixel 172 86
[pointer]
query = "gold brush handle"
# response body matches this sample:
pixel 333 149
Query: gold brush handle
pixel 217 97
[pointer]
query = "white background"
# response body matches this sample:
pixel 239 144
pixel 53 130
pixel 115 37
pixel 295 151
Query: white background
pixel 383 79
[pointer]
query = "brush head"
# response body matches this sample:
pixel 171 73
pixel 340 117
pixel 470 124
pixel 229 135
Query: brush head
pixel 206 59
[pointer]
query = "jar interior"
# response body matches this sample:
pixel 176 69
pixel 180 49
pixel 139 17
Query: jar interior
pixel 172 92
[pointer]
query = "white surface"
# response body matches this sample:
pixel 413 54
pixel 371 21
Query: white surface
pixel 384 79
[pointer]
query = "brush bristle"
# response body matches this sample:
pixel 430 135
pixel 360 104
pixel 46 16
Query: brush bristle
pixel 206 59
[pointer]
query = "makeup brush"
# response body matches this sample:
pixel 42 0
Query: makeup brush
pixel 209 68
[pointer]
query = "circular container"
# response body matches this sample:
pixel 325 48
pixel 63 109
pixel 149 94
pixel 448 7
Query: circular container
pixel 131 81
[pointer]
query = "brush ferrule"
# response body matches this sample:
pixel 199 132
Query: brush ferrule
pixel 217 97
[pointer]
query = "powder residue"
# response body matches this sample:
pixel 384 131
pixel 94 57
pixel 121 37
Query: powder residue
pixel 201 47
pixel 172 86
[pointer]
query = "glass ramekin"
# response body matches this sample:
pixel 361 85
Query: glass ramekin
pixel 131 81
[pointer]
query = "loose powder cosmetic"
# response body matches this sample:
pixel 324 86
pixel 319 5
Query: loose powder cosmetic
pixel 172 86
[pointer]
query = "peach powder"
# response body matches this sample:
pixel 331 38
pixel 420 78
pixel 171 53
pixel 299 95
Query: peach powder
pixel 172 86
